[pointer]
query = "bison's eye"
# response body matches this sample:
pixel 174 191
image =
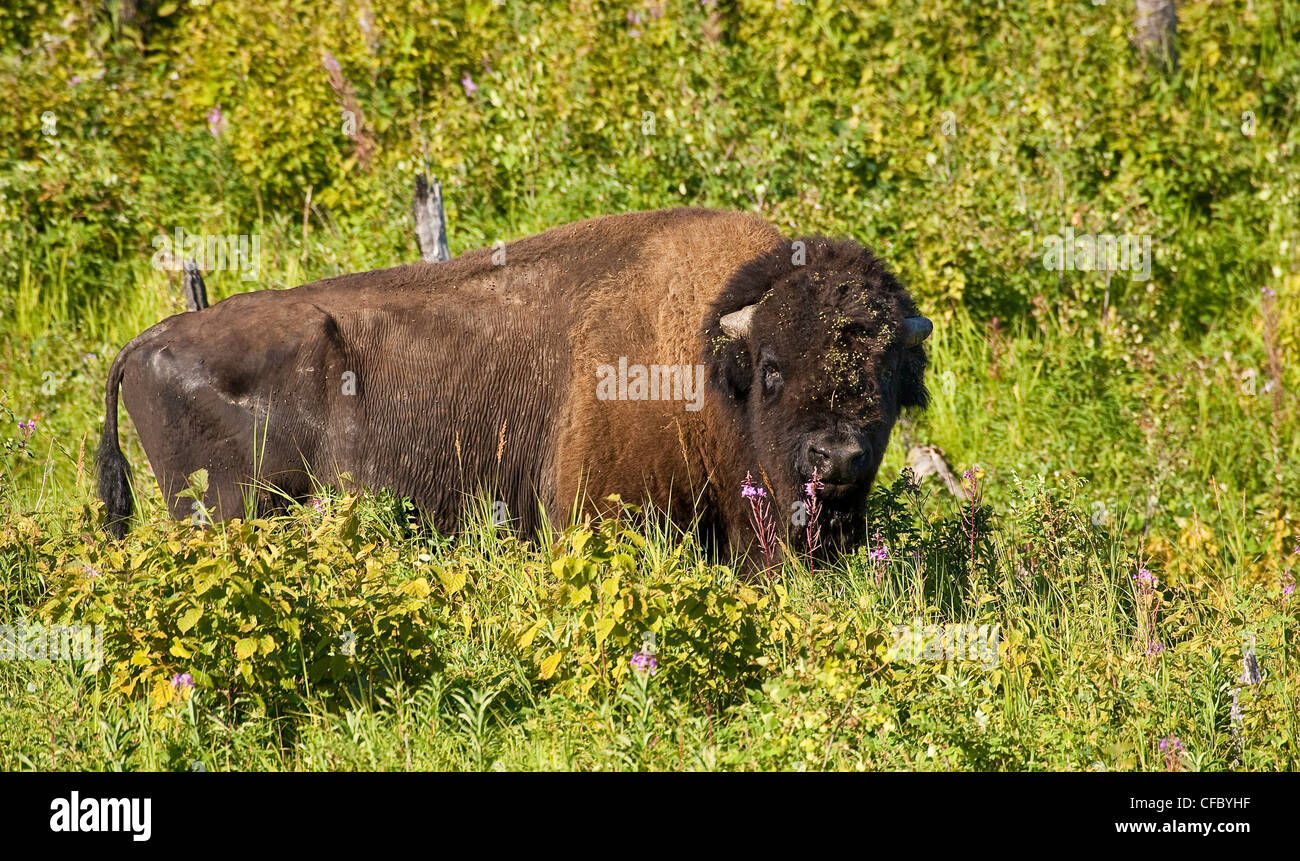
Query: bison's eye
pixel 771 380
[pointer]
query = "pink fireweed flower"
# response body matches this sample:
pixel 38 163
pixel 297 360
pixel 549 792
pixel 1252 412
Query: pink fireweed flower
pixel 879 554
pixel 182 682
pixel 330 64
pixel 760 517
pixel 813 526
pixel 216 121
pixel 468 83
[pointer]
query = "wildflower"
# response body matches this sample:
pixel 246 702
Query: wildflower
pixel 1268 291
pixel 216 121
pixel 813 513
pixel 74 80
pixel 879 554
pixel 1235 721
pixel 182 682
pixel 468 83
pixel 760 517
pixel 27 428
pixel 90 571
pixel 645 662
pixel 1174 751
pixel 331 64
pixel 1146 578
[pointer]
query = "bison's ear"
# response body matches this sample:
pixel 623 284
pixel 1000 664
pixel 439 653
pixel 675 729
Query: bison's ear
pixel 732 370
pixel 916 330
pixel 912 391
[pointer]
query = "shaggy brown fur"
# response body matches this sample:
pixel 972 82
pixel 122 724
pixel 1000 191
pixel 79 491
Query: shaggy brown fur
pixel 437 380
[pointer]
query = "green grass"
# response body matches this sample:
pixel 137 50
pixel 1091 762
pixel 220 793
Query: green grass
pixel 1119 425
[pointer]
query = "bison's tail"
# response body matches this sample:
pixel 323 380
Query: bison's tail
pixel 114 479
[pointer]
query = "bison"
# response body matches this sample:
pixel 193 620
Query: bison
pixel 659 356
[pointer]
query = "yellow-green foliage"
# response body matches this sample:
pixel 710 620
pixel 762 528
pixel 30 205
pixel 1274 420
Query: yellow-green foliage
pixel 269 610
pixel 707 631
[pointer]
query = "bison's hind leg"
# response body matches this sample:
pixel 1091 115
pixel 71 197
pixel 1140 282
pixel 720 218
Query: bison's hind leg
pixel 190 418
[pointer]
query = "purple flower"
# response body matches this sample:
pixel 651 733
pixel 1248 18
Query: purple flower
pixel 74 80
pixel 182 682
pixel 1268 291
pixel 331 64
pixel 1146 578
pixel 216 121
pixel 760 517
pixel 879 554
pixel 1174 751
pixel 468 83
pixel 644 662
pixel 90 571
pixel 810 489
pixel 27 428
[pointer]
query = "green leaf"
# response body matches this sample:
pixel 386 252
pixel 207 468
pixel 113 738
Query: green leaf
pixel 245 648
pixel 189 618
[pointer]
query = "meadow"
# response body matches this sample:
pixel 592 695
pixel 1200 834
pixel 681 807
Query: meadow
pixel 1126 437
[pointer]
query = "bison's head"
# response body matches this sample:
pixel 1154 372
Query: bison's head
pixel 814 349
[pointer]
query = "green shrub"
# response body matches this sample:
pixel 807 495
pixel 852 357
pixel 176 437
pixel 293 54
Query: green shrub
pixel 268 611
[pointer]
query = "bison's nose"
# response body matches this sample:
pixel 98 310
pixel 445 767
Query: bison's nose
pixel 836 461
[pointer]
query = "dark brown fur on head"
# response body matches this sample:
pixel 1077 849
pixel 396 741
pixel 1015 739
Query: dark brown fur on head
pixel 824 367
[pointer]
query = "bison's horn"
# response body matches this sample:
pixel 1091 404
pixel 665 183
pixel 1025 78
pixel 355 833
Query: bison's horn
pixel 737 323
pixel 916 330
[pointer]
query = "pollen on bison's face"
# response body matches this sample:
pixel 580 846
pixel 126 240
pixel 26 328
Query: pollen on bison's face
pixel 818 360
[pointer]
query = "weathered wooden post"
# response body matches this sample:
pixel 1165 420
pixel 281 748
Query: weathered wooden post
pixel 1156 22
pixel 196 294
pixel 430 221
